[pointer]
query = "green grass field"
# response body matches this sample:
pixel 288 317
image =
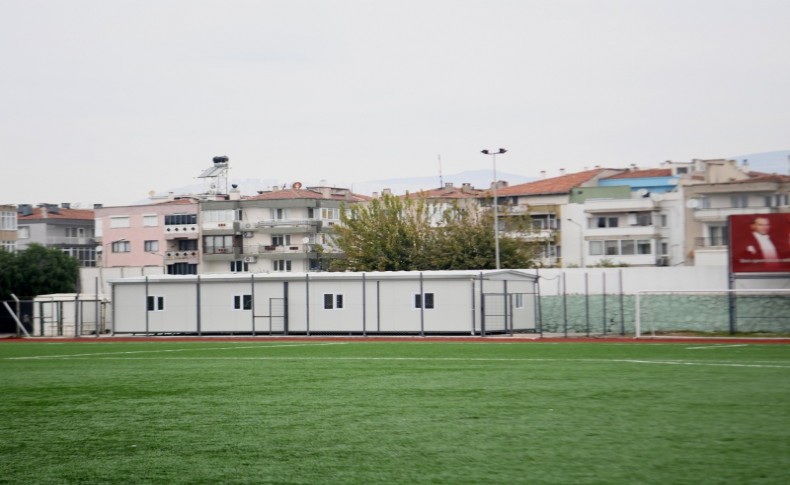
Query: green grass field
pixel 309 412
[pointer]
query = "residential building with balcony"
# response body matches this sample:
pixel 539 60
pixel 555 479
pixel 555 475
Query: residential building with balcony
pixel 441 199
pixel 58 226
pixel 543 200
pixel 280 230
pixel 619 225
pixel 164 234
pixel 8 228
pixel 721 190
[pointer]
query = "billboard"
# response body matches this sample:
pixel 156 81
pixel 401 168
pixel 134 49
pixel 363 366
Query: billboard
pixel 759 243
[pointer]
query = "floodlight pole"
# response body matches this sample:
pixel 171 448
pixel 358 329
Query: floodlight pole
pixel 496 204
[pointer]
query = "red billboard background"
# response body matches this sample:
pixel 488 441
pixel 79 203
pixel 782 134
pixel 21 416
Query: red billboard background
pixel 759 243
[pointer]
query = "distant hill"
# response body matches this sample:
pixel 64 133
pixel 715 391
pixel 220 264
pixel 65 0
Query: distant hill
pixel 769 162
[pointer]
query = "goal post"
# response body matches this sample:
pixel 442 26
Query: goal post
pixel 712 312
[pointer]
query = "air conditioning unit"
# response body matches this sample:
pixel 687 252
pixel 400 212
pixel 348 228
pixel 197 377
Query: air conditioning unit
pixel 248 225
pixel 662 261
pixel 250 259
pixel 247 234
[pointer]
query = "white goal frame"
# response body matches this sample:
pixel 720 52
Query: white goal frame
pixel 638 322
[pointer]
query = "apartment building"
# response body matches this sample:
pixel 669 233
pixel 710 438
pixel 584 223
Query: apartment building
pixel 163 234
pixel 8 228
pixel 58 226
pixel 278 230
pixel 444 198
pixel 721 188
pixel 544 200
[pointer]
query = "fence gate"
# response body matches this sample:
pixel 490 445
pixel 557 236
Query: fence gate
pixel 276 322
pixel 506 313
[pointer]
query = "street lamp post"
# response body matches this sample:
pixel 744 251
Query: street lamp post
pixel 581 240
pixel 496 204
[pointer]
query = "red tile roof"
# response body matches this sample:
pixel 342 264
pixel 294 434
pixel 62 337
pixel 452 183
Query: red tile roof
pixel 285 194
pixel 555 185
pixel 448 193
pixel 645 173
pixel 38 214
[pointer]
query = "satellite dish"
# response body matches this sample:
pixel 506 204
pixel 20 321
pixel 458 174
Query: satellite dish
pixel 151 193
pixel 305 240
pixel 296 185
pixel 643 192
pixel 657 197
pixel 692 203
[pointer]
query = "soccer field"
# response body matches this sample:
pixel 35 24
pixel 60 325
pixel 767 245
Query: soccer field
pixel 334 411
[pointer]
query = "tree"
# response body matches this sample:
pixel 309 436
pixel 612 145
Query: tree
pixel 37 271
pixel 388 234
pixel 393 234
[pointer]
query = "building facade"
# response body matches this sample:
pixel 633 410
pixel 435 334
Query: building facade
pixel 58 226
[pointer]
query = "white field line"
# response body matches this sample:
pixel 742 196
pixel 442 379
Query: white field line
pixel 108 356
pixel 706 347
pixel 70 356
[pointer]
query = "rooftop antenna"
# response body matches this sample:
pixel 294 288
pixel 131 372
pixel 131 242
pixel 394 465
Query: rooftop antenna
pixel 441 181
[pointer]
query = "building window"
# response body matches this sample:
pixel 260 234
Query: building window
pixel 239 266
pixel 282 240
pixel 643 219
pixel 704 203
pixel 180 219
pixel 663 220
pixel 187 244
pixel 418 299
pixel 664 248
pixel 150 221
pixel 278 214
pixel 155 303
pixel 218 244
pixel 333 301
pixel 242 302
pixel 23 232
pixel 8 221
pixel 606 222
pixel 777 200
pixel 182 268
pixel 643 246
pixel 718 235
pixel 518 300
pixel 739 201
pixel 627 247
pixel 281 265
pixel 611 248
pixel 330 213
pixel 121 246
pixel 119 221
pixel 151 246
pixel 596 248
pixel 8 246
pixel 225 215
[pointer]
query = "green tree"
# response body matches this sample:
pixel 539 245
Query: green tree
pixel 38 271
pixel 388 234
pixel 394 234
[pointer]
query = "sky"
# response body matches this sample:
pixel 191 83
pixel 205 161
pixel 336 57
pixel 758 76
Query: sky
pixel 102 101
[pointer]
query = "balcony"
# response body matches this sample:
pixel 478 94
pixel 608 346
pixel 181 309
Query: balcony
pixel 624 231
pixel 71 241
pixel 220 253
pixel 283 226
pixel 181 255
pixel 710 242
pixel 721 213
pixel 218 228
pixel 279 251
pixel 184 231
pixel 607 206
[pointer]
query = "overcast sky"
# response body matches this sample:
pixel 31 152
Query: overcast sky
pixel 102 101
